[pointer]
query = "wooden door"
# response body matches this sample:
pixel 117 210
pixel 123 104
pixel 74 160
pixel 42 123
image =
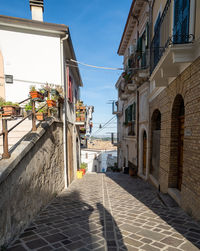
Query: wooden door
pixel 144 152
pixel 180 151
pixel 70 156
pixel 155 162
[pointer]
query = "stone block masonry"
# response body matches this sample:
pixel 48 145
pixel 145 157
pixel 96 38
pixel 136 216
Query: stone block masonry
pixel 30 178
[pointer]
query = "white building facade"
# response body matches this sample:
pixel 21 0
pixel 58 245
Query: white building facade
pixel 33 52
pixel 133 91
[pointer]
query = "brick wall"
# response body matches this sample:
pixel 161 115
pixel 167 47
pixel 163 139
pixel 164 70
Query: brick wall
pixel 187 85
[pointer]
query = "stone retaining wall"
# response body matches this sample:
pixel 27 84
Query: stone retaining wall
pixel 30 178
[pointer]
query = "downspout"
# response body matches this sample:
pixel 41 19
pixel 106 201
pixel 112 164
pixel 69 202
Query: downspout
pixel 63 77
pixel 137 93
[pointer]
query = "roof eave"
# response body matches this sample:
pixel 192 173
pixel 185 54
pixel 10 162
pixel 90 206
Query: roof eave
pixel 126 26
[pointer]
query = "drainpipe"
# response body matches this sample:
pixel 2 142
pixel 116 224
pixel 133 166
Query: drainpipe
pixel 65 107
pixel 137 93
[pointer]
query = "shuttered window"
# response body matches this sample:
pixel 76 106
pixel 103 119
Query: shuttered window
pixel 126 116
pixel 181 21
pixel 134 111
pixel 130 113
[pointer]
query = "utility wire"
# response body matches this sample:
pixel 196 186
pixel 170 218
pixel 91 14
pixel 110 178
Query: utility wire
pixel 98 67
pixel 104 125
pixel 100 129
pixel 29 81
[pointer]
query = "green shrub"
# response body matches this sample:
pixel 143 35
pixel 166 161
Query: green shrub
pixel 83 166
pixel 28 107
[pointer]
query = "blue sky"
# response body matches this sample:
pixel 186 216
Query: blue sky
pixel 96 27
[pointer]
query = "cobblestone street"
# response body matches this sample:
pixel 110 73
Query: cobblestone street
pixel 110 212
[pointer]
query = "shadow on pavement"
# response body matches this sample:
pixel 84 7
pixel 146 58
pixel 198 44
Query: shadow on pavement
pixel 110 230
pixel 69 223
pixel 145 193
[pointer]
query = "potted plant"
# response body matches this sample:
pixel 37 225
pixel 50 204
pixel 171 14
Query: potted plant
pixel 83 167
pixel 42 112
pixel 82 130
pixel 2 101
pixel 10 108
pixel 51 101
pixel 28 109
pixel 35 95
pixel 78 118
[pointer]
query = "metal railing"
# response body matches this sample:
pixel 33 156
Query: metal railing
pixel 137 61
pixel 163 36
pixel 6 131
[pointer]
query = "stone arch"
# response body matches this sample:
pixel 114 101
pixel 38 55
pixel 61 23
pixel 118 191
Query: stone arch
pixel 2 82
pixel 176 143
pixel 155 143
pixel 143 129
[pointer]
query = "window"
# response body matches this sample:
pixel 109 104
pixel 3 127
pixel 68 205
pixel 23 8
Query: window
pixel 130 117
pixel 181 21
pixel 130 113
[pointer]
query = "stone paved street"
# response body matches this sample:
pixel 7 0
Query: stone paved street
pixel 110 212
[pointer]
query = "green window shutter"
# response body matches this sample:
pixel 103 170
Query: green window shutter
pixel 130 113
pixel 140 44
pixel 129 63
pixel 147 35
pixel 126 116
pixel 134 111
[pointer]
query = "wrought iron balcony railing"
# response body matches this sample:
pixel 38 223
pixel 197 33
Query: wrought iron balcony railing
pixel 166 34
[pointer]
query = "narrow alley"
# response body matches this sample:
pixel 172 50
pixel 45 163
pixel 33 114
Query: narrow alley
pixel 111 211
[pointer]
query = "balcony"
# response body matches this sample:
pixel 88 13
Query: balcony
pixel 137 70
pixel 80 114
pixel 172 46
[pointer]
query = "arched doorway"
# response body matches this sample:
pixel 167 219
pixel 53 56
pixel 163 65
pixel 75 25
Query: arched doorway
pixel 70 154
pixel 177 141
pixel 155 143
pixel 144 152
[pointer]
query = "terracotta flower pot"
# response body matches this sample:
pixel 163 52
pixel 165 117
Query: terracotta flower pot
pixel 10 110
pixel 82 107
pixel 51 103
pixel 40 116
pixel 35 95
pixel 83 171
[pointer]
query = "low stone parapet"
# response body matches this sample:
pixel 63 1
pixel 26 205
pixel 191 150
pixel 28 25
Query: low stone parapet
pixel 30 178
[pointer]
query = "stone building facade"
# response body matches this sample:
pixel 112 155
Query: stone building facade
pixel 133 88
pixel 36 39
pixel 184 90
pixel 172 102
